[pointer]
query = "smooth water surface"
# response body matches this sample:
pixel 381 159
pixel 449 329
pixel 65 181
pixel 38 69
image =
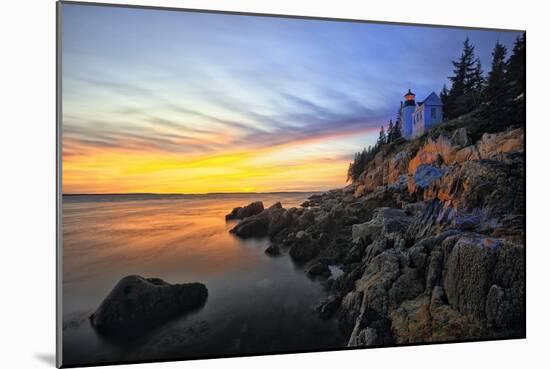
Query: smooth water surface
pixel 256 304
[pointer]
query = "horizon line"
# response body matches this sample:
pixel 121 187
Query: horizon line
pixel 182 193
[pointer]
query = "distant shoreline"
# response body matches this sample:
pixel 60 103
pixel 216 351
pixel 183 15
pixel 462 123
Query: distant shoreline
pixel 191 194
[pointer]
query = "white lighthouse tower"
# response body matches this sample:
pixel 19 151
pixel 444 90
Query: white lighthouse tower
pixel 407 110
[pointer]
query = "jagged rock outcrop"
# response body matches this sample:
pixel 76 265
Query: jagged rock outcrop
pixel 247 211
pixel 430 238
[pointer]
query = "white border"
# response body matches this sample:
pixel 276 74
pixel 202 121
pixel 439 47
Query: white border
pixel 27 185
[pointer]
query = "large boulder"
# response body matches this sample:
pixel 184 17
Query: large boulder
pixel 273 250
pixel 398 166
pixel 474 190
pixel 359 191
pixel 460 137
pixel 313 200
pixel 411 322
pixel 254 226
pixel 328 308
pixel 279 219
pixel 468 274
pixel 372 330
pixel 440 151
pixel 385 221
pixel 373 178
pixel 505 306
pixel 491 185
pixel 304 248
pixel 429 154
pixel 425 175
pixel 136 302
pixel 380 274
pixel 430 319
pixel 494 144
pixel 406 287
pixel 268 222
pixel 350 310
pixel 247 211
pixel 318 269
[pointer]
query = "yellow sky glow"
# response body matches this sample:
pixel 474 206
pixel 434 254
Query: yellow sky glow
pixel 302 166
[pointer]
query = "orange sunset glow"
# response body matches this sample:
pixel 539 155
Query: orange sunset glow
pixel 163 104
pixel 306 165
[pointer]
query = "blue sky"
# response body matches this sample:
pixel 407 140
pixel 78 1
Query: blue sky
pixel 199 84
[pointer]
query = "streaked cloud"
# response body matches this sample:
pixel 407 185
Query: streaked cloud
pixel 158 101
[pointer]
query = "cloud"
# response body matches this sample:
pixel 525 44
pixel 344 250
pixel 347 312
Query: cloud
pixel 178 87
pixel 114 86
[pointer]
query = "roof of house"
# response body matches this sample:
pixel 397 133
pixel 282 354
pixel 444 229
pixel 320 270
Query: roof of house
pixel 435 101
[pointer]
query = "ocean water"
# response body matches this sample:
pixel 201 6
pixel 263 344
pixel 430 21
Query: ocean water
pixel 256 303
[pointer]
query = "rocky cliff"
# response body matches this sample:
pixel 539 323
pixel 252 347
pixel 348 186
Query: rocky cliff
pixel 430 239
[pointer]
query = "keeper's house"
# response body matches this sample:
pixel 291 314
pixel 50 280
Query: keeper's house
pixel 418 118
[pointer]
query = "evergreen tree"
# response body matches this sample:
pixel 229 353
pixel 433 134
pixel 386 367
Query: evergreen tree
pixel 397 126
pixel 496 84
pixel 397 134
pixel 466 76
pixel 476 84
pixel 515 82
pixel 350 172
pixel 463 69
pixel 390 132
pixel 398 116
pixel 356 167
pixel 360 162
pixel 382 139
pixel 515 69
pixel 444 97
pixel 495 92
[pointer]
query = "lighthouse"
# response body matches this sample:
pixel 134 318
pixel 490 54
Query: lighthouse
pixel 406 114
pixel 418 118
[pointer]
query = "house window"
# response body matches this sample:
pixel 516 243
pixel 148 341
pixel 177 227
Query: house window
pixel 433 113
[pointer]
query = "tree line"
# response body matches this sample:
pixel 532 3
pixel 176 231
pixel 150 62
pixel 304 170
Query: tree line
pixel 362 158
pixel 499 96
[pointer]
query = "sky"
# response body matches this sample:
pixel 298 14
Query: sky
pixel 157 101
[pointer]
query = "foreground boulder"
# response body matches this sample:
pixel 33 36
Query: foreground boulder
pixel 245 212
pixel 136 302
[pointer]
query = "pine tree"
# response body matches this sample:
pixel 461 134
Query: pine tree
pixel 390 132
pixel 496 83
pixel 515 69
pixel 397 130
pixel 476 84
pixel 463 69
pixel 444 96
pixel 350 172
pixel 359 163
pixel 515 82
pixel 382 139
pixel 495 92
pixel 460 100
